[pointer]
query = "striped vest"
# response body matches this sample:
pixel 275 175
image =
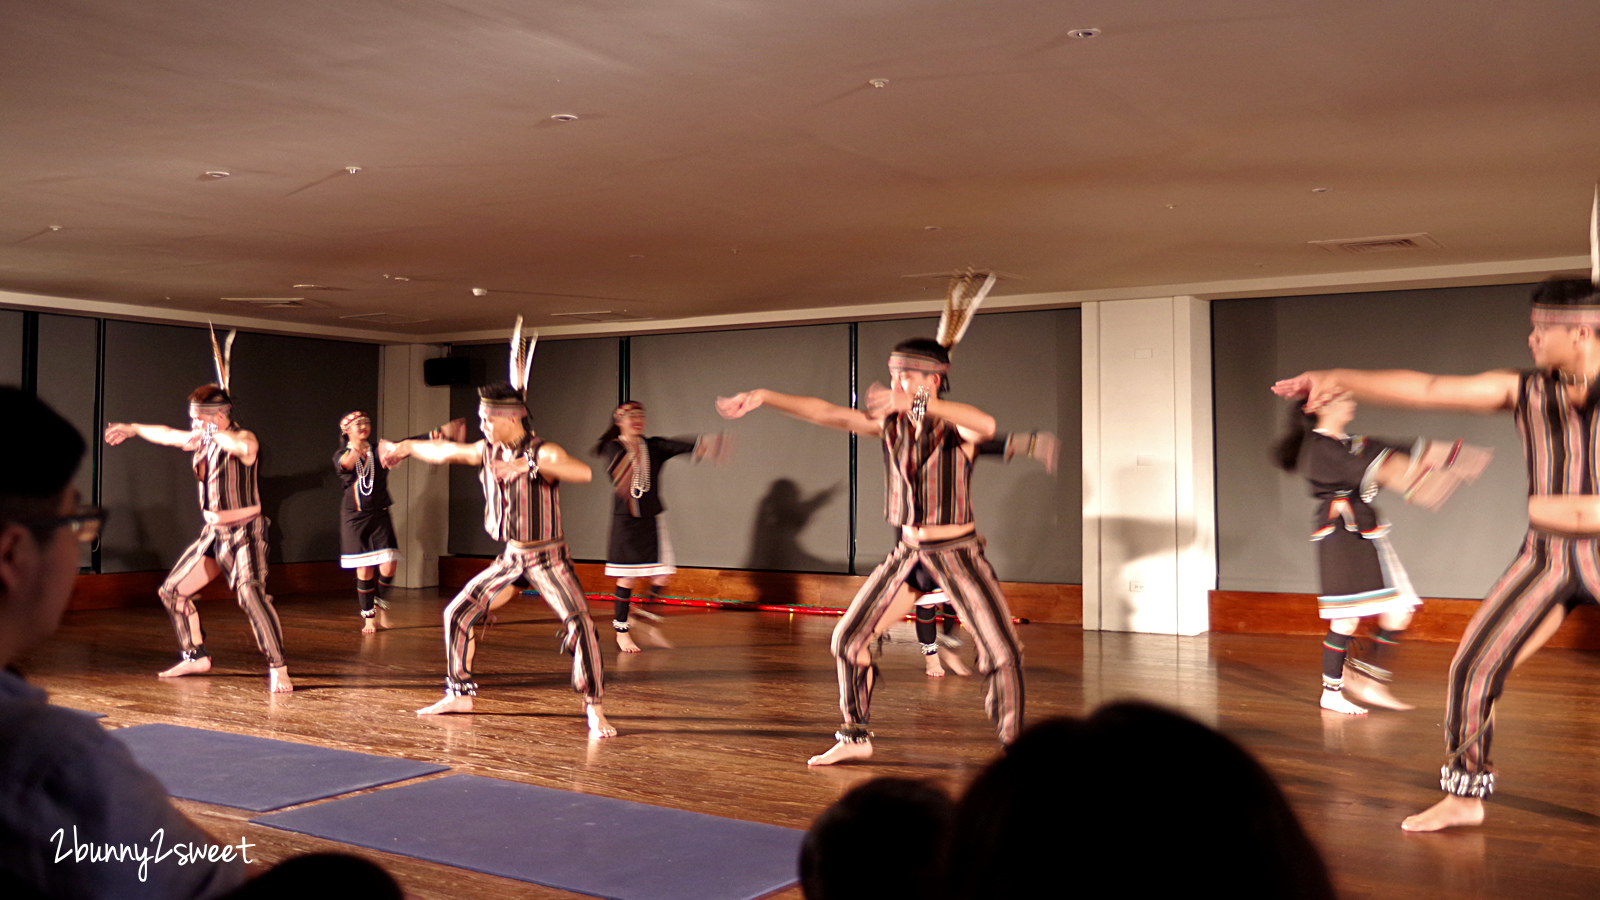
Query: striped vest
pixel 928 479
pixel 224 481
pixel 523 508
pixel 1558 440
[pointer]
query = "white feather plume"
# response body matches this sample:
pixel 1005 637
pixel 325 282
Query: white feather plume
pixel 522 357
pixel 961 303
pixel 222 358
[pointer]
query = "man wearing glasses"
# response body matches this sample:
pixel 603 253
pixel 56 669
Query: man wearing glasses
pixel 63 780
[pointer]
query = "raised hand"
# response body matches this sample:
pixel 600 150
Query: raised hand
pixel 393 453
pixel 882 401
pixel 738 405
pixel 385 449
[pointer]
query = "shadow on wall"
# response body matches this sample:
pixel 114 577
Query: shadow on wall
pixel 275 490
pixel 1127 540
pixel 784 512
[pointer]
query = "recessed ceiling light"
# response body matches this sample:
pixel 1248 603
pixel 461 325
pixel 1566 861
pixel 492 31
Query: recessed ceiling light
pixel 56 227
pixel 352 169
pixel 933 228
pixel 480 292
pixel 564 117
pixel 878 82
pixel 1172 206
pixel 1320 190
pixel 1084 33
pixel 397 278
pixel 308 287
pixel 217 173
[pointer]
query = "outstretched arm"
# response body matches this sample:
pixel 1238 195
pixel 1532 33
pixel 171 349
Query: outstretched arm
pixel 808 409
pixel 437 452
pixel 1487 392
pixel 973 423
pixel 555 464
pixel 117 432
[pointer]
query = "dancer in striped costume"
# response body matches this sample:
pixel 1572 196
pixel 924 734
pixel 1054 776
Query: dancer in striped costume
pixel 638 548
pixel 1558 567
pixel 520 474
pixel 234 539
pixel 929 445
pixel 366 532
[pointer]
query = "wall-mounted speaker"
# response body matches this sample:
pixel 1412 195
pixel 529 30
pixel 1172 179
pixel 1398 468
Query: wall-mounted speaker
pixel 446 371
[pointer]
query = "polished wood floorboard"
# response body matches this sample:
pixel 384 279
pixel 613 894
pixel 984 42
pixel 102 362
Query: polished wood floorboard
pixel 722 724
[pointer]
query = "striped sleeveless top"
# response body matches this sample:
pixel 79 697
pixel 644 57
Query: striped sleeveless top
pixel 523 508
pixel 1558 439
pixel 223 480
pixel 928 479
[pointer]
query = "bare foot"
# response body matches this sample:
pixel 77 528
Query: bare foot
pixel 452 703
pixel 598 726
pixel 953 662
pixel 369 625
pixel 1451 812
pixel 1335 701
pixel 844 751
pixel 1373 692
pixel 188 667
pixel 278 680
pixel 932 667
pixel 626 644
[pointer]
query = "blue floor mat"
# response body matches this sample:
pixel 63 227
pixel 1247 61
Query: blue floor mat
pixel 576 842
pixel 255 773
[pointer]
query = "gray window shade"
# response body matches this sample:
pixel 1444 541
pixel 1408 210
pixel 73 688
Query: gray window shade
pixel 1025 369
pixel 572 391
pixel 1264 515
pixel 10 347
pixel 67 382
pixel 783 502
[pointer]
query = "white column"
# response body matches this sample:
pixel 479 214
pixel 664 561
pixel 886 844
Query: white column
pixel 1149 528
pixel 421 492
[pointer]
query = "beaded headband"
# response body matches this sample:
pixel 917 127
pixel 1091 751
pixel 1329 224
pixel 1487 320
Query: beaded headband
pixel 353 418
pixel 626 407
pixel 196 410
pixel 1566 315
pixel 502 409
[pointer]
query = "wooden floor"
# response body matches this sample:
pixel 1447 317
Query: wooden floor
pixel 723 723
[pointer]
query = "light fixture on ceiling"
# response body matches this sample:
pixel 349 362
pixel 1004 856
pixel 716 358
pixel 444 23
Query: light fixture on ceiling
pixel 397 277
pixel 1084 33
pixel 1388 243
pixel 56 227
pixel 1321 190
pixel 352 169
pixel 217 173
pixel 564 117
pixel 480 292
pixel 878 82
pixel 933 228
pixel 308 287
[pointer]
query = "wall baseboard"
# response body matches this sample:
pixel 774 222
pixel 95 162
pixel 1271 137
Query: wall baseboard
pixel 1059 604
pixel 1260 612
pixel 121 589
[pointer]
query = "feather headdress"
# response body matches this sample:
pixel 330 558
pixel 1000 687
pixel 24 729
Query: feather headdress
pixel 522 357
pixel 967 290
pixel 222 358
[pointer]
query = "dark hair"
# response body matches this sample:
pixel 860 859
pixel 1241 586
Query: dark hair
pixel 930 348
pixel 1074 794
pixel 319 875
pixel 39 463
pixel 882 840
pixel 209 393
pixel 614 430
pixel 1286 452
pixel 1565 292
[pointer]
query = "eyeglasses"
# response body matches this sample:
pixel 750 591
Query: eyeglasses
pixel 86 524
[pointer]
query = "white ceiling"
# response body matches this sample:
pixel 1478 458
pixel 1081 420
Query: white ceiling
pixel 732 159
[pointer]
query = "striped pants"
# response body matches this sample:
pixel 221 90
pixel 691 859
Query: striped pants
pixel 1552 571
pixel 547 568
pixel 959 567
pixel 241 552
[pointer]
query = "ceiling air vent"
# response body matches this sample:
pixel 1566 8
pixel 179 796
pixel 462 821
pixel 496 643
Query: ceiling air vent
pixel 1386 244
pixel 383 318
pixel 276 302
pixel 604 315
